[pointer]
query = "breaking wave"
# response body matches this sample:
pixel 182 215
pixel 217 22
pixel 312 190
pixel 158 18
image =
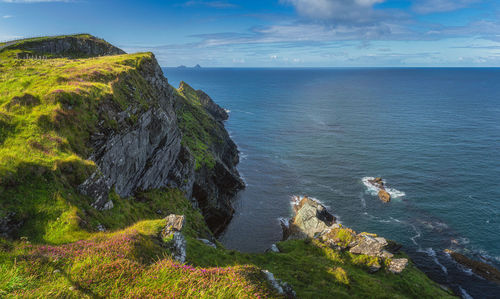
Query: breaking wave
pixel 374 190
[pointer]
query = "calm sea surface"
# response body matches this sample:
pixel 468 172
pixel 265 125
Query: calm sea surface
pixel 432 134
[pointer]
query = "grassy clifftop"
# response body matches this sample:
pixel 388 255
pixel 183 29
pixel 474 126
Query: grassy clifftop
pixel 49 109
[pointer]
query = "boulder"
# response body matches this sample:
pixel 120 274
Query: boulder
pixel 384 196
pixel 273 248
pixel 173 238
pixel 311 218
pixel 397 266
pixel 174 223
pixel 369 246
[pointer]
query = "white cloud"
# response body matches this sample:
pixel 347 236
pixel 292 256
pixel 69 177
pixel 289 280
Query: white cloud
pixel 432 6
pixel 337 10
pixel 7 17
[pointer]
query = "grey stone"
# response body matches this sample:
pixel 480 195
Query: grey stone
pixel 369 246
pixel 398 265
pixel 282 288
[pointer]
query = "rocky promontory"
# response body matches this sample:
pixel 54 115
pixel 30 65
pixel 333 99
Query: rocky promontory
pixel 312 220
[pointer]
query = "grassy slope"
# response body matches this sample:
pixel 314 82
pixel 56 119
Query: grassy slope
pixel 20 45
pixel 196 126
pixel 48 109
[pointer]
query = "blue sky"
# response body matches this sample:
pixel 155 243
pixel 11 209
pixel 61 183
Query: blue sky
pixel 275 33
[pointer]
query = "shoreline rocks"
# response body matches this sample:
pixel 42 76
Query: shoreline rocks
pixel 312 220
pixel 484 270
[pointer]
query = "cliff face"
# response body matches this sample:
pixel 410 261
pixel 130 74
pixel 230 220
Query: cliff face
pixel 151 154
pixel 129 129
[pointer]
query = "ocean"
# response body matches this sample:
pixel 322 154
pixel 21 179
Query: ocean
pixel 433 134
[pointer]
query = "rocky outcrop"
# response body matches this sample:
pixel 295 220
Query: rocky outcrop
pixel 150 153
pixel 140 156
pixel 173 238
pixel 397 265
pixel 282 288
pixel 9 224
pixel 312 220
pixel 215 183
pixel 75 46
pixel 482 269
pixel 382 193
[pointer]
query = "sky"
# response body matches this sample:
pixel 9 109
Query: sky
pixel 275 33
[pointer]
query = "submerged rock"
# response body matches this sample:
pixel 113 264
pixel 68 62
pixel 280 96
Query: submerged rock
pixel 482 269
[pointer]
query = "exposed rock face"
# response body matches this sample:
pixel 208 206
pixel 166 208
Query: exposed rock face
pixel 369 245
pixel 149 154
pixel 70 46
pixel 137 157
pixel 482 269
pixel 312 220
pixel 9 224
pixel 282 288
pixel 173 238
pixel 213 186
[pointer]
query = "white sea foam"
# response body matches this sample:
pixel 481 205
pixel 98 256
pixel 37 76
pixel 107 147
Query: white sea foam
pixel 430 252
pixel 464 294
pixel 373 190
pixel 417 235
pixel 227 111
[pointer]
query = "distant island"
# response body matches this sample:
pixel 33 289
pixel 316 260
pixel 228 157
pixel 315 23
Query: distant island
pixel 185 67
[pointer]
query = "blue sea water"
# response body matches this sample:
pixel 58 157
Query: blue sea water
pixel 432 134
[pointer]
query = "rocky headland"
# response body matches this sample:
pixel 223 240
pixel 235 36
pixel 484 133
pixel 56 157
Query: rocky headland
pixel 115 184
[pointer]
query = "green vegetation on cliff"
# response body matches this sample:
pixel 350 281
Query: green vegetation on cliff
pixel 49 109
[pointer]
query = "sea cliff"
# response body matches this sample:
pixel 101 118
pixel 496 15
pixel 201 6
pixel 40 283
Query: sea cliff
pixel 113 183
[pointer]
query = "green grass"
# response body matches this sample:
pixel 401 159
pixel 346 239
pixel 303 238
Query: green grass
pixel 129 263
pixel 199 129
pixel 23 45
pixel 317 271
pixel 48 110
